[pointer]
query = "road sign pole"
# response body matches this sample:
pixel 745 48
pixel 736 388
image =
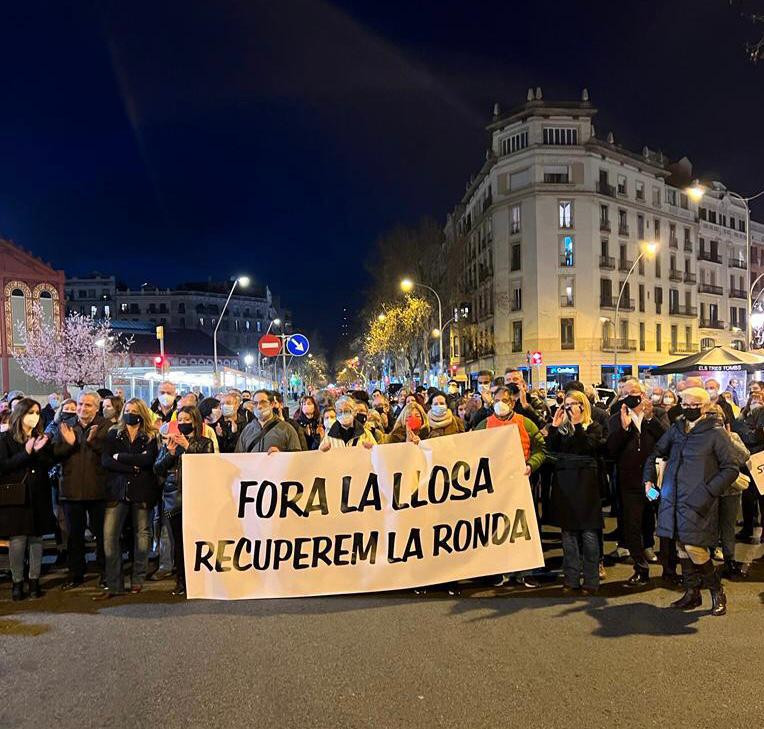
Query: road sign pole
pixel 283 360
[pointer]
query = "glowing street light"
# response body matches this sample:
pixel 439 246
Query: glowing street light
pixel 407 285
pixel 242 281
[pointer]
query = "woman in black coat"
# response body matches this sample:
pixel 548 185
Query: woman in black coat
pixel 702 462
pixel 575 442
pixel 128 456
pixel 26 509
pixel 189 439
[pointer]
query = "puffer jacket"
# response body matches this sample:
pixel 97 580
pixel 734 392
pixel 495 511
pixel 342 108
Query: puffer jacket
pixel 169 467
pixel 701 464
pixel 131 474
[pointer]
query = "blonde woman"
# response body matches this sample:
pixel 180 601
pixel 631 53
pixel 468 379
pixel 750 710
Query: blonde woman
pixel 411 425
pixel 131 488
pixel 575 443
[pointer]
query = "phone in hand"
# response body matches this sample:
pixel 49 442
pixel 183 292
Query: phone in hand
pixel 653 494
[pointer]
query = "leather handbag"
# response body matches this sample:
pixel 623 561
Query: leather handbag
pixel 14 493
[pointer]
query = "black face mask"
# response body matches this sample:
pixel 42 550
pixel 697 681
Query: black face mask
pixel 69 418
pixel 361 418
pixel 380 409
pixel 132 419
pixel 632 401
pixel 186 428
pixel 691 414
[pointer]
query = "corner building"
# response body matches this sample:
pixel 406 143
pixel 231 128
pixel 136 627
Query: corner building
pixel 551 226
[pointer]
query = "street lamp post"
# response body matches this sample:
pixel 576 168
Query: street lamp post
pixel 101 344
pixel 649 249
pixel 406 285
pixel 696 193
pixel 242 281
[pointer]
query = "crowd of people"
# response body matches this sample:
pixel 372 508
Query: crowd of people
pixel 668 464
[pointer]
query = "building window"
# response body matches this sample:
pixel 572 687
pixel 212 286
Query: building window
pixel 640 190
pixel 566 334
pixel 517 336
pixel 567 251
pixel 94 311
pixel 623 225
pixel 515 262
pixel 259 325
pixel 123 308
pixel 560 135
pixel 515 143
pixel 641 336
pixel 567 286
pixel 516 304
pixel 107 311
pixel 556 175
pixel 707 343
pixel 566 214
pixel 657 266
pixel 656 196
pixel 514 219
pixel 670 196
pixel 658 337
pixel 18 318
pixel 641 297
pixel 658 299
pixel 641 227
pixel 621 184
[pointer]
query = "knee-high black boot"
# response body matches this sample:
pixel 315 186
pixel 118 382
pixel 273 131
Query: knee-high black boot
pixel 712 582
pixel 691 579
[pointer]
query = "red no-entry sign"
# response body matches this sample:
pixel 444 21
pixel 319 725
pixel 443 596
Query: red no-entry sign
pixel 269 345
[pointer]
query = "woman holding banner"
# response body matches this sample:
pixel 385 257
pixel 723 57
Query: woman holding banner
pixel 411 424
pixel 346 431
pixel 441 418
pixel 189 438
pixel 575 442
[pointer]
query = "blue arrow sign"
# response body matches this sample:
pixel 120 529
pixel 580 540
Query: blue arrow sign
pixel 297 345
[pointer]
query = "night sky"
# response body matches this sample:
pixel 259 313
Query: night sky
pixel 170 141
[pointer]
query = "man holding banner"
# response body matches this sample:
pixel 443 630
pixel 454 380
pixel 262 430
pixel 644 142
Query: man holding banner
pixel 358 520
pixel 267 433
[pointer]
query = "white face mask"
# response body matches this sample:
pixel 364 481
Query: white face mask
pixel 656 399
pixel 165 399
pixel 31 420
pixel 501 409
pixel 438 410
pixel 346 419
pixel 668 401
pixel 227 410
pixel 713 393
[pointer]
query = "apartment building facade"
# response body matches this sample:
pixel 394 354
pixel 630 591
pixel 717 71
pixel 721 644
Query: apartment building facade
pixel 553 224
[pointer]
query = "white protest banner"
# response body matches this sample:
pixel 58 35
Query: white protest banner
pixel 357 520
pixel 756 467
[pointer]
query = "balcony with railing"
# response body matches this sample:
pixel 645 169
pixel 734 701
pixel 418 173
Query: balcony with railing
pixel 737 263
pixel 683 310
pixel 683 348
pixel 624 265
pixel 566 260
pixel 708 288
pixel 566 301
pixel 617 344
pixel 711 324
pixel 738 294
pixel 609 302
pixel 605 225
pixel 673 242
pixel 675 275
pixel 688 246
pixel 623 229
pixel 607 263
pixel 704 255
pixel 689 277
pixel 604 189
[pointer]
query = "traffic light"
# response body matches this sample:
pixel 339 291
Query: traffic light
pixel 159 363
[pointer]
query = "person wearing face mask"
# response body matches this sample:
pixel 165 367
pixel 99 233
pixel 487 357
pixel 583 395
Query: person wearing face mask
pixel 441 418
pixel 750 427
pixel 209 409
pixel 309 419
pixel 381 404
pixel 362 416
pixel 188 439
pixel 328 418
pixel 701 464
pixel 713 389
pixel 132 489
pixel 411 425
pixel 632 435
pixel 111 408
pixel 164 405
pixel 453 395
pixel 347 431
pixel 670 404
pixel 26 514
pixel 78 447
pixel 229 428
pixel 575 442
pixel 534 451
pixel 49 411
pixel 268 433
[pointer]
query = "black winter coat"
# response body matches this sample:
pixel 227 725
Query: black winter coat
pixel 169 466
pixel 701 464
pixel 83 476
pixel 35 517
pixel 630 449
pixel 229 438
pixel 750 428
pixel 575 497
pixel 130 475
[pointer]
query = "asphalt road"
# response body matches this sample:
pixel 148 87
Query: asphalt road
pixel 489 658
